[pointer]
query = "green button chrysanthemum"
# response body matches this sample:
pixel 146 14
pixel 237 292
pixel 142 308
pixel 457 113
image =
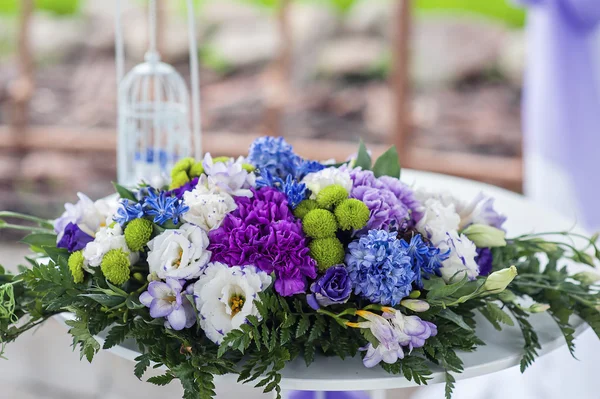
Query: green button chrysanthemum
pixel 352 214
pixel 327 252
pixel 331 196
pixel 319 223
pixel 304 207
pixel 76 266
pixel 115 266
pixel 179 180
pixel 138 233
pixel 183 165
pixel 196 170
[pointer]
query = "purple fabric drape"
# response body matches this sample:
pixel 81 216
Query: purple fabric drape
pixel 562 106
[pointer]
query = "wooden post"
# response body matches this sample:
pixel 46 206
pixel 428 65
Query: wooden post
pixel 400 78
pixel 21 89
pixel 278 74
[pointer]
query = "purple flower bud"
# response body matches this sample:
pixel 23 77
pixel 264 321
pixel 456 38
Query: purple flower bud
pixel 333 288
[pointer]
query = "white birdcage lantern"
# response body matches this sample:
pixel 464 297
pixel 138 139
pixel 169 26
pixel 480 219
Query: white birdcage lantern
pixel 154 112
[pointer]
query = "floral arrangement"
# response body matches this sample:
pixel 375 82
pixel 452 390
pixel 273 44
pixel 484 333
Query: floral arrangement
pixel 241 265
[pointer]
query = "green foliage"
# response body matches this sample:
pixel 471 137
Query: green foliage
pixel 388 164
pixel 59 7
pixel 496 9
pixel 363 159
pixel 124 193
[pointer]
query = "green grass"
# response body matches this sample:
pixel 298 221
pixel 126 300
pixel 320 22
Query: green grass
pixel 59 7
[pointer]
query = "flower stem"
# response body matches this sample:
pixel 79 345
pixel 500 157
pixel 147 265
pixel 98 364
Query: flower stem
pixel 42 222
pixel 4 225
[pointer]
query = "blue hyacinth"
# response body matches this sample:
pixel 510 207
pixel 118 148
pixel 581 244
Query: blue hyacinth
pixel 274 155
pixel 128 210
pixel 425 258
pixel 305 167
pixel 380 268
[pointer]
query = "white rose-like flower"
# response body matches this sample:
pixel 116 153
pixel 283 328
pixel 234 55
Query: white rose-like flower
pixel 207 208
pixel 438 219
pixel 107 238
pixel 317 181
pixel 462 257
pixel 180 253
pixel 225 297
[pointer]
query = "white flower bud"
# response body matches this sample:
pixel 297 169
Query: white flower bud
pixel 485 236
pixel 498 281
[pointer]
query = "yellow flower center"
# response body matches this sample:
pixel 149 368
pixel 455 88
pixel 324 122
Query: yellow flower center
pixel 177 262
pixel 236 303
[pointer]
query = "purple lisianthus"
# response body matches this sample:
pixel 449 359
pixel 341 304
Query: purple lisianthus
pixel 263 232
pixel 168 300
pixel 333 288
pixel 74 238
pixel 485 260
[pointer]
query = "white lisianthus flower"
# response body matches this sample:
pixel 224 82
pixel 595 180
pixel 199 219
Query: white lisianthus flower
pixel 85 214
pixel 229 176
pixel 479 211
pixel 438 219
pixel 180 253
pixel 462 257
pixel 225 297
pixel 107 238
pixel 317 181
pixel 207 207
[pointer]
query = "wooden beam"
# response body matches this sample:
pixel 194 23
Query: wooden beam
pixel 503 171
pixel 400 77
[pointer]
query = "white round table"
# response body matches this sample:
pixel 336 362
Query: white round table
pixel 503 349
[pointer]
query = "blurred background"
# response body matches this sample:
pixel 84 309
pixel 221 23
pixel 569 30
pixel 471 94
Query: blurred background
pixel 322 73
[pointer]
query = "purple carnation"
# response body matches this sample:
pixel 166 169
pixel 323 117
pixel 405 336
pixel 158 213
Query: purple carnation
pixel 388 199
pixel 263 232
pixel 74 238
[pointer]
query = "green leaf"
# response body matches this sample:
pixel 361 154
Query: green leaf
pixel 40 240
pixel 440 290
pixel 124 192
pixel 303 326
pixel 456 319
pixel 161 380
pixel 55 253
pixel 105 300
pixel 363 159
pixel 388 164
pixel 143 362
pixel 116 335
pixel 496 315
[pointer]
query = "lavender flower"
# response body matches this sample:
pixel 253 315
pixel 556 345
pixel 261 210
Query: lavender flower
pixel 380 268
pixel 333 288
pixel 169 300
pixel 389 349
pixel 127 211
pixel 412 330
pixel 262 231
pixel 73 238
